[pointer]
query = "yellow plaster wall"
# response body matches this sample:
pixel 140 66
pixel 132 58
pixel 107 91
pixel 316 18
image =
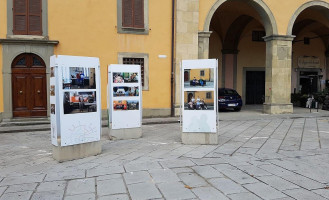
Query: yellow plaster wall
pixel 3 32
pixel 90 30
pixel 196 74
pixel 282 11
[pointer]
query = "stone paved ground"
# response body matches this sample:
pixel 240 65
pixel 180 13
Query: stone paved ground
pixel 275 158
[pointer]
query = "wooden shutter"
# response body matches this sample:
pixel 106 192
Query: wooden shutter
pixel 139 13
pixel 127 13
pixel 34 18
pixel 20 17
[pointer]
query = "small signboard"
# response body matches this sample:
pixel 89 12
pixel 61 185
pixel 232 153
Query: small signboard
pixel 75 100
pixel 308 62
pixel 125 96
pixel 199 95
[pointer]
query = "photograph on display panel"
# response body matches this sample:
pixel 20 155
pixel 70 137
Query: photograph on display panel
pixel 125 77
pixel 198 100
pixel 79 78
pixel 122 105
pixel 52 109
pixel 125 91
pixel 199 78
pixel 52 72
pixel 79 102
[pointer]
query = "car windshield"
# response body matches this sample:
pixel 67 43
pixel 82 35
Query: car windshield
pixel 227 92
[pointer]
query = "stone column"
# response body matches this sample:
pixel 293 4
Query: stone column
pixel 187 23
pixel 204 44
pixel 326 77
pixel 229 68
pixel 278 74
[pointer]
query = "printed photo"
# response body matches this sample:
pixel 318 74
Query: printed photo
pixel 79 102
pixel 52 90
pixel 52 72
pixel 125 77
pixel 52 109
pixel 125 91
pixel 199 100
pixel 122 105
pixel 199 78
pixel 79 78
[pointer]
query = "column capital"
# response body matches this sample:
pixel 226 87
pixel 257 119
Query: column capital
pixel 205 34
pixel 279 37
pixel 230 51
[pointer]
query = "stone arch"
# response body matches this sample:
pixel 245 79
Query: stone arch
pixel 263 10
pixel 301 9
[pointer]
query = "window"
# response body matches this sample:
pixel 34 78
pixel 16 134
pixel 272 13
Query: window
pixel 132 16
pixel 27 17
pixel 201 72
pixel 133 13
pixel 136 61
pixel 208 95
pixel 257 36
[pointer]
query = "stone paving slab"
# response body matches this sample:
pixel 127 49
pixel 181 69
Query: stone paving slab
pixel 271 158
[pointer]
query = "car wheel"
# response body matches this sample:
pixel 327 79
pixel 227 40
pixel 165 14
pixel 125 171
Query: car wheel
pixel 237 109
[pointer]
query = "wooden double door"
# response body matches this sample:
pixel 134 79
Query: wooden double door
pixel 29 86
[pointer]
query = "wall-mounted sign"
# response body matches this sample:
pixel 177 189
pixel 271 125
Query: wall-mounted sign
pixel 199 95
pixel 308 62
pixel 124 96
pixel 75 100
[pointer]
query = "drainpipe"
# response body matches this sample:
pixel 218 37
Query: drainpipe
pixel 172 58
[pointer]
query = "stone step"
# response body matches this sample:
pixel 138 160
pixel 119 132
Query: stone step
pixel 6 127
pixel 16 125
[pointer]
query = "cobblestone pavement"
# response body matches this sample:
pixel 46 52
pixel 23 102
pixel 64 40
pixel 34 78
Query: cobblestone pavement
pixel 256 159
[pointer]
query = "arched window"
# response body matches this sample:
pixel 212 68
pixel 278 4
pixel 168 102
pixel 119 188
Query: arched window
pixel 27 17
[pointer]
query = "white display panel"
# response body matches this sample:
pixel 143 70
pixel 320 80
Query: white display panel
pixel 199 95
pixel 78 100
pixel 124 96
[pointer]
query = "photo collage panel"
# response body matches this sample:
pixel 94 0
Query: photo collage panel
pixel 124 105
pixel 79 102
pixel 199 78
pixel 125 77
pixel 79 78
pixel 198 100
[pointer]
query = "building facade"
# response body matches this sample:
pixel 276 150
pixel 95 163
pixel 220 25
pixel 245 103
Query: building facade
pixel 266 49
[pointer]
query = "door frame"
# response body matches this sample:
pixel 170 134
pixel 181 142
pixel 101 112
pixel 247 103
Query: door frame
pixel 29 60
pixel 11 50
pixel 244 83
pixel 298 70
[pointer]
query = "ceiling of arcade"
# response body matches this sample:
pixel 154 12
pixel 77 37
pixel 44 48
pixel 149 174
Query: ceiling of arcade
pixel 231 20
pixel 312 21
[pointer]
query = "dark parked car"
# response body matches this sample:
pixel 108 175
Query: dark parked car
pixel 229 98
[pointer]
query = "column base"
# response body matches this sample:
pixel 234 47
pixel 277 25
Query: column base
pixel 278 108
pixel 126 133
pixel 78 151
pixel 199 138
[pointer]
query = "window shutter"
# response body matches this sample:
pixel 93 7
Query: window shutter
pixel 20 17
pixel 127 13
pixel 139 13
pixel 35 23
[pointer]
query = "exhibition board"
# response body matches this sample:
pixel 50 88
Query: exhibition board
pixel 124 96
pixel 199 95
pixel 75 100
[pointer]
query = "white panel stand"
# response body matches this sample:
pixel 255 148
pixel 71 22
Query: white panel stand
pixel 199 102
pixel 125 115
pixel 75 107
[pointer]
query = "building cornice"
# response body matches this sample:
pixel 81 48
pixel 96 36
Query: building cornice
pixel 279 37
pixel 28 41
